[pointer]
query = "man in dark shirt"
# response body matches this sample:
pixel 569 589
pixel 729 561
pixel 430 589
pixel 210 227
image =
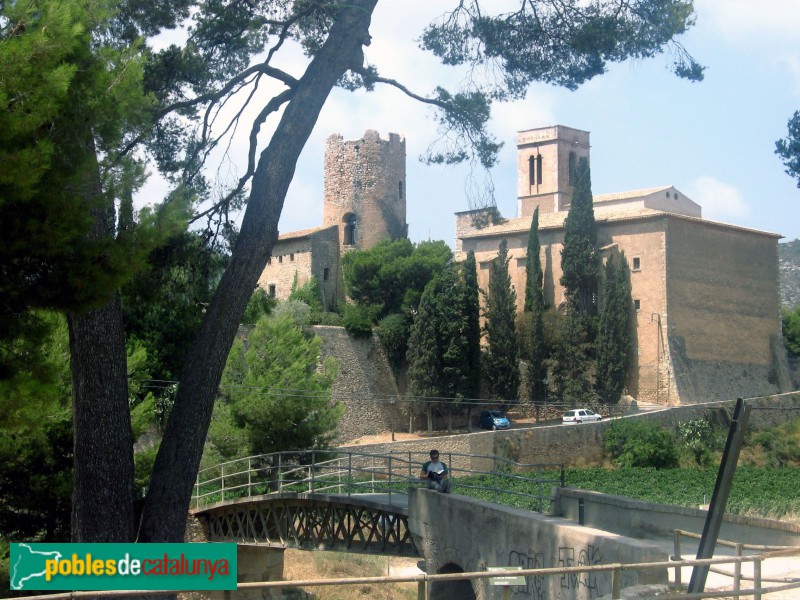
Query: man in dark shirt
pixel 436 473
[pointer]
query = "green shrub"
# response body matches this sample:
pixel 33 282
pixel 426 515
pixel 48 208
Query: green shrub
pixel 699 438
pixel 358 320
pixel 781 445
pixel 634 443
pixel 330 318
pixel 260 304
pixel 393 332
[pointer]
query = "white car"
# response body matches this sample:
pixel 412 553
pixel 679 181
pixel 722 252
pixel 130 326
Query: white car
pixel 579 415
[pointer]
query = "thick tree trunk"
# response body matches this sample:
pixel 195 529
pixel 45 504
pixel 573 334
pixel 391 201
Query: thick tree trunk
pixel 103 478
pixel 175 469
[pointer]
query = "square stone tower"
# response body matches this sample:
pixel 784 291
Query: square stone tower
pixel 546 161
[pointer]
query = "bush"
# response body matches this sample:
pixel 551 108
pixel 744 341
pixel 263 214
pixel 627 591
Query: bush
pixel 358 320
pixel 780 445
pixel 393 332
pixel 632 443
pixel 701 440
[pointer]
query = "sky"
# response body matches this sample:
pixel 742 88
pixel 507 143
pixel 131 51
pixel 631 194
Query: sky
pixel 713 140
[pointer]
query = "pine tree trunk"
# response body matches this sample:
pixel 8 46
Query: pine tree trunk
pixel 175 469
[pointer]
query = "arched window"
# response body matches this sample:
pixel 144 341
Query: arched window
pixel 572 163
pixel 325 274
pixel 539 168
pixel 531 170
pixel 349 229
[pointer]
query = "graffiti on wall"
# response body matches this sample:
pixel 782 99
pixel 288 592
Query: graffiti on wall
pixel 568 557
pixel 535 585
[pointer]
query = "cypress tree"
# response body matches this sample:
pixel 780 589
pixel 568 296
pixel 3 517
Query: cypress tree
pixel 613 335
pixel 533 348
pixel 579 258
pixel 502 365
pixel 472 316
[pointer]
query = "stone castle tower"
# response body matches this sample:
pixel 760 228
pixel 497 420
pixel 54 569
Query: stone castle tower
pixel 365 189
pixel 546 161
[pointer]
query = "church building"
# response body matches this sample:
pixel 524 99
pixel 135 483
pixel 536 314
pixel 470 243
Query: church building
pixel 706 304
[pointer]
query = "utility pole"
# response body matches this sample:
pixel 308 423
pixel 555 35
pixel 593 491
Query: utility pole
pixel 722 488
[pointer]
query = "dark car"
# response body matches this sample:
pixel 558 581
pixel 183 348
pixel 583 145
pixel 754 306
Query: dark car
pixel 493 419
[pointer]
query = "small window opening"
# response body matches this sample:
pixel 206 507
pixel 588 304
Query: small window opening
pixel 400 190
pixel 572 161
pixel 269 260
pixel 291 257
pixel 637 304
pixel 349 229
pixel 280 259
pixel 637 263
pixel 272 290
pixel 325 274
pixel 531 170
pixel 539 168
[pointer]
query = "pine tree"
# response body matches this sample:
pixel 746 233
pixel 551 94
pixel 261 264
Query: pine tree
pixel 613 336
pixel 472 334
pixel 502 367
pixel 533 348
pixel 579 258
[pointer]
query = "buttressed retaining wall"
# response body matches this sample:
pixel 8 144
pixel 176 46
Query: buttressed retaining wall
pixel 446 528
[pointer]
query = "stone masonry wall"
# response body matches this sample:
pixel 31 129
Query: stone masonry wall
pixel 366 178
pixel 363 384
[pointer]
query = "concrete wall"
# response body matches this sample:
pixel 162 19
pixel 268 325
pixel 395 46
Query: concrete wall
pixel 640 519
pixel 445 528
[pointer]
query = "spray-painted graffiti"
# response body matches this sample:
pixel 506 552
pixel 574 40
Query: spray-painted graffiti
pixel 535 585
pixel 587 556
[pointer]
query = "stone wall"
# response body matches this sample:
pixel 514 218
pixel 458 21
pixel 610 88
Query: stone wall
pixel 723 311
pixel 366 180
pixel 582 445
pixel 364 383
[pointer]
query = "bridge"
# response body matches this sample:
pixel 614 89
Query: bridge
pixel 353 502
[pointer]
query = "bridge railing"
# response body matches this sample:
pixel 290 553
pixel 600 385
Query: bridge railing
pixel 335 472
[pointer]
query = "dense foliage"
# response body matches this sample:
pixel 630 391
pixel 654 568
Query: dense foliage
pixel 613 342
pixel 790 320
pixel 530 326
pixel 637 443
pixel 392 275
pixel 789 148
pixel 501 359
pixel 580 256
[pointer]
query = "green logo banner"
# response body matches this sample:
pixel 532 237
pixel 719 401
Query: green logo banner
pixel 91 567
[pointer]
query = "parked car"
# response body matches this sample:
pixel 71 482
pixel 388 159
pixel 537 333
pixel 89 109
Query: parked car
pixel 579 415
pixel 493 419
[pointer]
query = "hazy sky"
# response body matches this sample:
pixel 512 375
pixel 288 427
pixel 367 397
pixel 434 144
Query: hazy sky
pixel 713 140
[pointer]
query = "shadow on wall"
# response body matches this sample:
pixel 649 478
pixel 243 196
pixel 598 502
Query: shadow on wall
pixel 460 589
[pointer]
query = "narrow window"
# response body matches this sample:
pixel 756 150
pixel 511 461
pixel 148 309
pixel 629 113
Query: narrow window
pixel 269 260
pixel 271 290
pixel 531 170
pixel 349 229
pixel 539 169
pixel 325 274
pixel 572 161
pixel 280 259
pixel 400 190
pixel 637 304
pixel 291 257
pixel 637 263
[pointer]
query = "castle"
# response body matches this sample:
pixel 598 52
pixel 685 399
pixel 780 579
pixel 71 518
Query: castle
pixel 364 202
pixel 705 294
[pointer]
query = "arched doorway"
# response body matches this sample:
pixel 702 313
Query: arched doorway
pixel 460 589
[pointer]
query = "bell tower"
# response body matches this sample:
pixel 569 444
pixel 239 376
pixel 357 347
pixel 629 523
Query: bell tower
pixel 546 162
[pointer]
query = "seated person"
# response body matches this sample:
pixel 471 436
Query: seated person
pixel 435 472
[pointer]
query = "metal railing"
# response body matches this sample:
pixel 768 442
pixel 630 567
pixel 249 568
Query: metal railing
pixel 739 548
pixel 423 580
pixel 337 472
